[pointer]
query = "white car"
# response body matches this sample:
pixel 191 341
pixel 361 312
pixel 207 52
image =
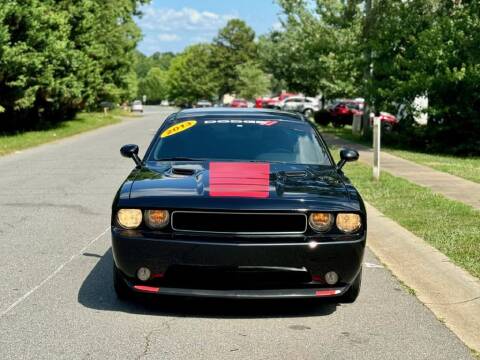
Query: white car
pixel 137 106
pixel 305 105
pixel 204 104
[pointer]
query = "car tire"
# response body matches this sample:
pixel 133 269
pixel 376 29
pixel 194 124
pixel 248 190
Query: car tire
pixel 353 291
pixel 387 128
pixel 338 125
pixel 308 113
pixel 122 290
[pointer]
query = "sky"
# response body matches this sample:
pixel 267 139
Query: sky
pixel 171 25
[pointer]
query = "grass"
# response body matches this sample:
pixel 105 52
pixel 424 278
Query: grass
pixel 344 133
pixel 475 354
pixel 83 122
pixel 464 167
pixel 448 225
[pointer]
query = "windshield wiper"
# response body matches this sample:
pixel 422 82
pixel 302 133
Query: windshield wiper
pixel 178 159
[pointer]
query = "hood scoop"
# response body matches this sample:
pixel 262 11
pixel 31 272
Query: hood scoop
pixel 299 173
pixel 184 170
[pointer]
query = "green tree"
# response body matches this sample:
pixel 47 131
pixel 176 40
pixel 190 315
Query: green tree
pixel 154 85
pixel 58 57
pixel 234 45
pixel 191 78
pixel 162 60
pixel 252 81
pixel 144 63
pixel 429 47
pixel 37 64
pixel 318 49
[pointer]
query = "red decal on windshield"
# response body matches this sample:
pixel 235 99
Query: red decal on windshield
pixel 270 123
pixel 233 179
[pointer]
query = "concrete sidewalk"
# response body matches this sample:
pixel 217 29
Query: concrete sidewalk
pixel 450 292
pixel 450 186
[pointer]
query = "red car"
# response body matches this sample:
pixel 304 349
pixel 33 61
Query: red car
pixel 341 113
pixel 272 103
pixel 239 103
pixel 387 120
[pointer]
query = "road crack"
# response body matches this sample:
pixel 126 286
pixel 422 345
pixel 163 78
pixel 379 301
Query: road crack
pixel 455 303
pixel 148 338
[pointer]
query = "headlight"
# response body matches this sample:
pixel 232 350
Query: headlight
pixel 349 223
pixel 129 218
pixel 156 219
pixel 321 221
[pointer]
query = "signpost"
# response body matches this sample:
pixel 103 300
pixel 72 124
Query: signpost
pixel 377 129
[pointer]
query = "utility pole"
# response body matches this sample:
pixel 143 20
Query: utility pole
pixel 377 130
pixel 367 70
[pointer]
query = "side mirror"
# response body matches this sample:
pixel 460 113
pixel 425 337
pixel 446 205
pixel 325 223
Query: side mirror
pixel 131 151
pixel 347 155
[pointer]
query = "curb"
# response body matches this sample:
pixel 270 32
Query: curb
pixel 450 292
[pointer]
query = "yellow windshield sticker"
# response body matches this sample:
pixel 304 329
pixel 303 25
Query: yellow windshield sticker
pixel 177 128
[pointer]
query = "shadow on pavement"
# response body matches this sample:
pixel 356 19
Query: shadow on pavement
pixel 97 293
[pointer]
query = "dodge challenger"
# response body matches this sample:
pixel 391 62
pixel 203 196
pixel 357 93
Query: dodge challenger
pixel 238 203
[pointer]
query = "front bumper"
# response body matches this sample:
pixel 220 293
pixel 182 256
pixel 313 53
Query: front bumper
pixel 301 264
pixel 242 294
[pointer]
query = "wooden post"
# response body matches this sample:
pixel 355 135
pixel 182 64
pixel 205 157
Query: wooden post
pixel 377 129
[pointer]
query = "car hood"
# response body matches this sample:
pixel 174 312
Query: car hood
pixel 191 185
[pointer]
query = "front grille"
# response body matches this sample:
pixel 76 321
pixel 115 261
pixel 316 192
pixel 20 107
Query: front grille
pixel 239 223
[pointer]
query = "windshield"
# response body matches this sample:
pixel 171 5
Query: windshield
pixel 245 140
pixel 353 106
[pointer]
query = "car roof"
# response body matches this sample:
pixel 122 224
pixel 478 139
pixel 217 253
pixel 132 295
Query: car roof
pixel 238 112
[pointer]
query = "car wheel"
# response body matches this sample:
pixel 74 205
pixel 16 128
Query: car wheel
pixel 387 127
pixel 353 291
pixel 338 125
pixel 121 288
pixel 308 113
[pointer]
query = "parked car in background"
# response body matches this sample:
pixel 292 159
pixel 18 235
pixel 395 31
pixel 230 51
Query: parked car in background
pixel 107 105
pixel 137 106
pixel 203 104
pixel 272 103
pixel 388 121
pixel 341 111
pixel 305 105
pixel 239 103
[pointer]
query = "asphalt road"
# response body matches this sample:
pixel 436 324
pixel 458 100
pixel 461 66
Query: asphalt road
pixel 57 301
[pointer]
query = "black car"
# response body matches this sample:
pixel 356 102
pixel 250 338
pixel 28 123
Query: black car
pixel 238 203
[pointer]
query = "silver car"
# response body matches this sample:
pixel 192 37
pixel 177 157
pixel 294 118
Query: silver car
pixel 204 104
pixel 137 106
pixel 305 105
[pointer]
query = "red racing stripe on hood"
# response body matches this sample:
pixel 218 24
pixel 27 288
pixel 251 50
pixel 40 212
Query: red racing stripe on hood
pixel 237 179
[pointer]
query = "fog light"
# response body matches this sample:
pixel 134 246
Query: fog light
pixel 331 278
pixel 144 273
